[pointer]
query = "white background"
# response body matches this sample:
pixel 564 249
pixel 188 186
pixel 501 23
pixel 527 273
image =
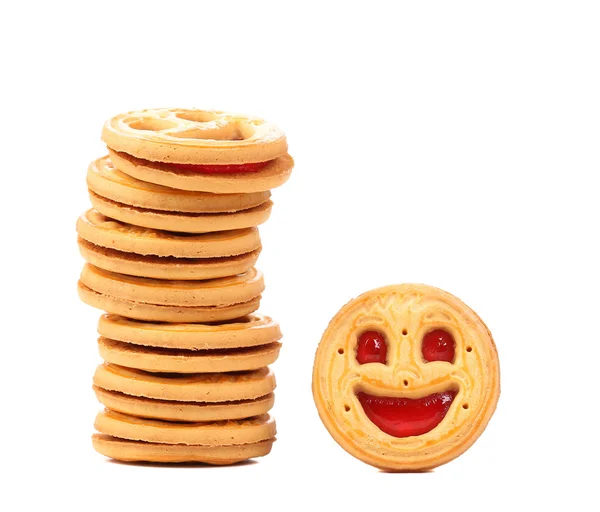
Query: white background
pixel 450 143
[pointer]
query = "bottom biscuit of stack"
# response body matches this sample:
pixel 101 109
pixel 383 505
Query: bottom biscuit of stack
pixel 186 392
pixel 140 451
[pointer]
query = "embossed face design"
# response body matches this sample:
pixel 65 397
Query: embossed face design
pixel 406 377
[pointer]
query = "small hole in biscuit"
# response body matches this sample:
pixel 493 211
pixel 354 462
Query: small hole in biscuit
pixel 469 349
pixel 340 350
pixel 346 407
pixel 405 382
pixel 404 332
pixel 465 406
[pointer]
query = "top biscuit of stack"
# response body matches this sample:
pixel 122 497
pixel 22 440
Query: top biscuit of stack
pixel 199 150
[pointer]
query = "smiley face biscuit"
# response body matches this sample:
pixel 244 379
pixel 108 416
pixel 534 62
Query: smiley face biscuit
pixel 406 377
pixel 199 150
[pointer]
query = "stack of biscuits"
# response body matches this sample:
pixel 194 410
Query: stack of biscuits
pixel 170 245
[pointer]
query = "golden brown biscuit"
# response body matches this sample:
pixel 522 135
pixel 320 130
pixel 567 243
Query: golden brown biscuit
pixel 170 245
pixel 248 331
pixel 180 221
pixel 214 292
pixel 155 359
pixel 202 387
pixel 139 451
pixel 159 313
pixel 218 433
pixel 194 136
pixel 106 232
pixel 406 377
pixel 165 267
pixel 171 410
pixel 274 174
pixel 105 180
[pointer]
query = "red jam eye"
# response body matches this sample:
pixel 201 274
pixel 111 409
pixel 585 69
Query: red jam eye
pixel 438 345
pixel 371 348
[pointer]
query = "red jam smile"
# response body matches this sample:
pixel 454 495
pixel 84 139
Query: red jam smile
pixel 219 169
pixel 405 417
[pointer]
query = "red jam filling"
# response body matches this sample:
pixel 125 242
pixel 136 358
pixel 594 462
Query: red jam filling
pixel 371 348
pixel 438 345
pixel 219 169
pixel 405 417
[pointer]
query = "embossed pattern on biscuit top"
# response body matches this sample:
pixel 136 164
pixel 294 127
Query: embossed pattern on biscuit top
pixel 194 137
pixel 195 124
pixel 405 363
